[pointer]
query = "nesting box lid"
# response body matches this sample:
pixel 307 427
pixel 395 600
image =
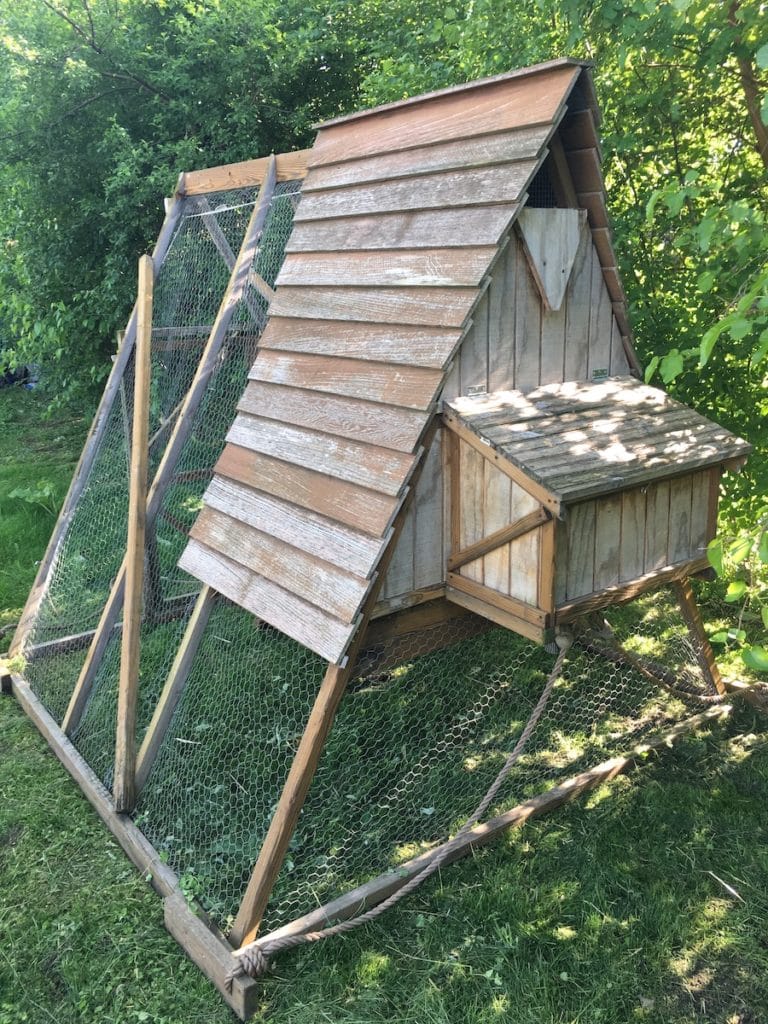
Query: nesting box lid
pixel 580 439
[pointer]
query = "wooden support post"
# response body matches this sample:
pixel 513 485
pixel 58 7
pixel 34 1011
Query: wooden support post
pixel 93 441
pixel 704 653
pixel 174 685
pixel 128 691
pixel 371 893
pixel 307 757
pixel 175 445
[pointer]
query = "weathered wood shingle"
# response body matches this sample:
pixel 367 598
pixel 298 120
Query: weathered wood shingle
pixel 580 440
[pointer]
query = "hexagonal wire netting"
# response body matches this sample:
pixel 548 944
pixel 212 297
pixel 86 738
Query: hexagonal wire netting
pixel 421 733
pixel 426 723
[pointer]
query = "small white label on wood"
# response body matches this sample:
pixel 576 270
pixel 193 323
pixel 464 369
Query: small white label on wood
pixel 551 240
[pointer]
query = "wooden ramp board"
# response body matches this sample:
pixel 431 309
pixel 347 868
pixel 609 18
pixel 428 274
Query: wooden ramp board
pixel 402 218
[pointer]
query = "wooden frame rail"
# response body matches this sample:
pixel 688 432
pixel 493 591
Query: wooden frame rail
pixel 247 173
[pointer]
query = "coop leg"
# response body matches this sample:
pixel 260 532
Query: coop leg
pixel 174 685
pixel 701 645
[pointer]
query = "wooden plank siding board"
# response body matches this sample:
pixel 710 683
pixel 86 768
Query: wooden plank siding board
pixel 379 469
pixel 581 550
pixel 316 535
pixel 495 107
pixel 461 226
pixel 472 503
pixel 633 526
pixel 578 314
pixel 527 315
pixel 429 306
pixel 700 535
pixel 349 504
pixel 429 555
pixel 657 527
pixel 393 344
pixel 503 183
pixel 601 322
pixel 413 387
pixel 524 552
pixel 407 267
pixel 400 574
pixel 679 519
pixel 501 320
pixel 330 588
pixel 500 147
pixel 497 513
pixel 389 427
pixel 293 616
pixel 607 542
pixel 473 354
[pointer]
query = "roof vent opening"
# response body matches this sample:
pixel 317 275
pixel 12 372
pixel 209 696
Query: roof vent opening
pixel 541 191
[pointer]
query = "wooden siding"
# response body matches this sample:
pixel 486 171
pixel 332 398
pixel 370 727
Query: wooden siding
pixel 508 347
pixel 617 539
pixel 401 221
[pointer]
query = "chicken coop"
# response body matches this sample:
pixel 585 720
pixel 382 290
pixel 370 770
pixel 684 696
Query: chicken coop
pixel 404 492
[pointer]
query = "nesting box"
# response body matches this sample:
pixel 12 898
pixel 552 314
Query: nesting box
pixel 576 496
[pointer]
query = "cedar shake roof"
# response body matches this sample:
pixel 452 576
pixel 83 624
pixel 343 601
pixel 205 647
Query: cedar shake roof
pixel 580 439
pixel 402 215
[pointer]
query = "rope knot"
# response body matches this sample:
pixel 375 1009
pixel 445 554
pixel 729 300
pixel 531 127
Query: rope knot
pixel 251 962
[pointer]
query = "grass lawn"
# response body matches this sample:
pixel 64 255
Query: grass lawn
pixel 618 909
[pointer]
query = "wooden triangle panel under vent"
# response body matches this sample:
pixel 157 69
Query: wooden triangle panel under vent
pixel 551 240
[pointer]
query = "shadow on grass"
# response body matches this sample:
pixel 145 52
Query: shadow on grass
pixel 609 911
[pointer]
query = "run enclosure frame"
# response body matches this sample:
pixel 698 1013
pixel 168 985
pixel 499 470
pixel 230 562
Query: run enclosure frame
pixel 204 943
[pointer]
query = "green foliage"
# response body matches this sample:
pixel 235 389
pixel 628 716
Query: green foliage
pixel 101 107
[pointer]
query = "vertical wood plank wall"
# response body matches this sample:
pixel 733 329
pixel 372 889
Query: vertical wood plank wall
pixel 513 343
pixel 620 537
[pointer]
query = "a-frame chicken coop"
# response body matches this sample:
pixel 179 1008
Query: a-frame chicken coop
pixel 387 482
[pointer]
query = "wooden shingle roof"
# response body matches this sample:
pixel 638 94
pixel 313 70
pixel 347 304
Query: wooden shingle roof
pixel 579 440
pixel 403 213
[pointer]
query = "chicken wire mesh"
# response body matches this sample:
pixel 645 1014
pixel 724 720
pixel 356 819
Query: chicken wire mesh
pixel 423 729
pixel 188 291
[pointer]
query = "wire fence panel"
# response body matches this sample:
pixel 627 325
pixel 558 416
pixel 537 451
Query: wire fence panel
pixel 188 291
pixel 419 737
